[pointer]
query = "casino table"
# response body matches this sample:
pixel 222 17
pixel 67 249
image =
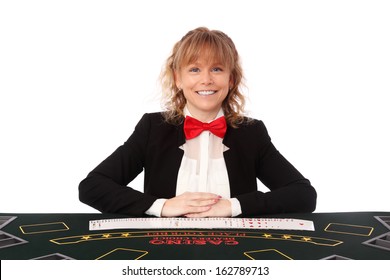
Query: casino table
pixel 337 236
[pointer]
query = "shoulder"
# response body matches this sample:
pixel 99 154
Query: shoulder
pixel 152 119
pixel 250 124
pixel 249 130
pixel 159 118
pixel 155 121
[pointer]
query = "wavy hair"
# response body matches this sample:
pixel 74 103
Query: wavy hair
pixel 216 46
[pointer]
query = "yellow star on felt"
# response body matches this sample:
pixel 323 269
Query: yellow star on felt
pixel 267 235
pixel 125 234
pixel 86 237
pixel 306 238
pixel 106 235
pixel 286 236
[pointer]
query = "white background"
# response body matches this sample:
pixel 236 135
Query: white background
pixel 76 76
pixel 113 270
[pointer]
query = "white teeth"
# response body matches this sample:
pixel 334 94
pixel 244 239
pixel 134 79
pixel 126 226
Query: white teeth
pixel 206 92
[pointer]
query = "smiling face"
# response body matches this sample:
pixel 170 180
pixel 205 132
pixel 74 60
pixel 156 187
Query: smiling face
pixel 205 85
pixel 203 73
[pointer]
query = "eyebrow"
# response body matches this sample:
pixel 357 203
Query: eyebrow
pixel 211 64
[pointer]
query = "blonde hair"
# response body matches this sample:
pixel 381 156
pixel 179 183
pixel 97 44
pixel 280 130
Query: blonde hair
pixel 217 46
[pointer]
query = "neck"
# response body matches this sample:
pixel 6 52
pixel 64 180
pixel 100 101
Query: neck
pixel 203 116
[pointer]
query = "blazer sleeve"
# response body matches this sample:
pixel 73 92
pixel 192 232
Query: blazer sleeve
pixel 289 191
pixel 105 188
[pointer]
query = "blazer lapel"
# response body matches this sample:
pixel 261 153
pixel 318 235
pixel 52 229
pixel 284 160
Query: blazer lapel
pixel 181 139
pixel 231 160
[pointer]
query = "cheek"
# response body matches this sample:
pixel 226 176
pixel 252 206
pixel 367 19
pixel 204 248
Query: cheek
pixel 186 84
pixel 223 94
pixel 228 82
pixel 187 94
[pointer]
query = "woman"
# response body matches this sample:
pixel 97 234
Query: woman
pixel 201 157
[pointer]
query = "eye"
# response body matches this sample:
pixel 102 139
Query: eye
pixel 216 69
pixel 194 69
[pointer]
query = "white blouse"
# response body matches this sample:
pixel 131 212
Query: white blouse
pixel 202 169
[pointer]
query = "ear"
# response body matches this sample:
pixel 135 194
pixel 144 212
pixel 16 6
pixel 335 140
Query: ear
pixel 177 79
pixel 231 82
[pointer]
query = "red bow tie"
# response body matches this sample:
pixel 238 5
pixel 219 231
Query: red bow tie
pixel 193 127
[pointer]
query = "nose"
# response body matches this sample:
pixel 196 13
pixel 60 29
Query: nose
pixel 206 78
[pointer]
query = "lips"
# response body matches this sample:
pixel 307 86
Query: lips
pixel 206 92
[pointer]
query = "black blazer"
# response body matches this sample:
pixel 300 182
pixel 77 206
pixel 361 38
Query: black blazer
pixel 154 148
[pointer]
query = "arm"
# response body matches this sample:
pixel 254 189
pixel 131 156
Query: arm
pixel 105 188
pixel 289 190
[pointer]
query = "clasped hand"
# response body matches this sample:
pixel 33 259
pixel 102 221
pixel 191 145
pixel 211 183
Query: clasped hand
pixel 197 204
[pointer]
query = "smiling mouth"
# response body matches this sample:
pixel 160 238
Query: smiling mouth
pixel 206 92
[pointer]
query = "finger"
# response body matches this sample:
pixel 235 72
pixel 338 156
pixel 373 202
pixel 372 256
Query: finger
pixel 201 195
pixel 198 203
pixel 220 209
pixel 204 214
pixel 197 210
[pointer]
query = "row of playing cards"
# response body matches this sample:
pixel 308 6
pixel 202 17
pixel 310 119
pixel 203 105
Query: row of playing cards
pixel 202 223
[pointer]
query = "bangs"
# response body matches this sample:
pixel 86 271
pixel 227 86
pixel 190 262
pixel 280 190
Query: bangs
pixel 212 47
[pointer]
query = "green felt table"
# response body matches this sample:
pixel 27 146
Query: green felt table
pixel 354 235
